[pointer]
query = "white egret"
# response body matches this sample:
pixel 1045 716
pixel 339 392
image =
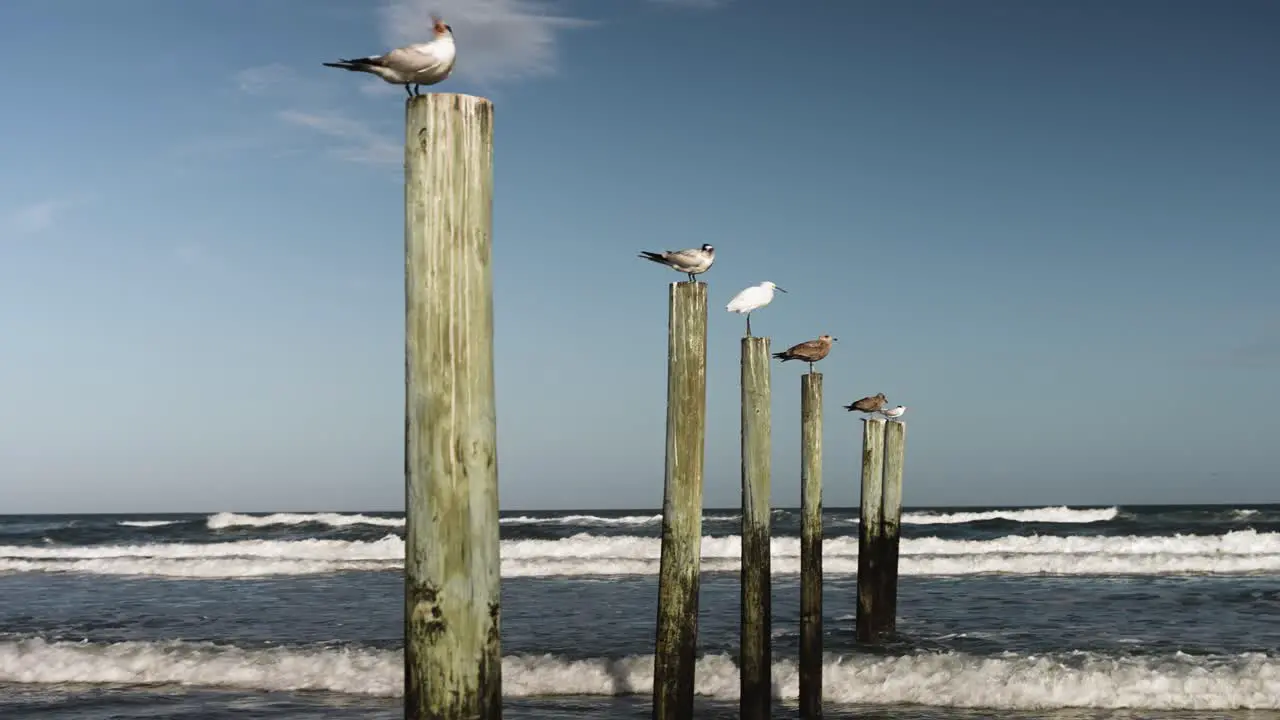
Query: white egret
pixel 751 299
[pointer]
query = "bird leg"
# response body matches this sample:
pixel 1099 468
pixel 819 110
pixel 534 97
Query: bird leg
pixel 748 324
pixel 417 90
pixel 407 91
pixel 692 278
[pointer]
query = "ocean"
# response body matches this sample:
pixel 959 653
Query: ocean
pixel 1053 612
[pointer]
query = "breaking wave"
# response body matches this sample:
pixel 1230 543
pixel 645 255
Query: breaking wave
pixel 1237 552
pixel 1061 514
pixel 1008 681
pixel 147 523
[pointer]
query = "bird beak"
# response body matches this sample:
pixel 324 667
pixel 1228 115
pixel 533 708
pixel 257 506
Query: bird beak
pixel 775 287
pixel 835 339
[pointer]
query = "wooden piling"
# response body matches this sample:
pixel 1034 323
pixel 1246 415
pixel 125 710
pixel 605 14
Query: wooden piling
pixel 895 436
pixel 756 654
pixel 678 574
pixel 811 546
pixel 452 650
pixel 870 621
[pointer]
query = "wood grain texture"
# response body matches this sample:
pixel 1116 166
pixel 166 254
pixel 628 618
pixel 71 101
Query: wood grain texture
pixel 895 438
pixel 811 546
pixel 453 659
pixel 870 577
pixel 755 660
pixel 675 647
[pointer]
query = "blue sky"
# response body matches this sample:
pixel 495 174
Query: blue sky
pixel 1050 229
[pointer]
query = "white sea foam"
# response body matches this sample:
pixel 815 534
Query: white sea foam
pixel 1237 552
pixel 147 523
pixel 951 679
pixel 1060 514
pixel 225 520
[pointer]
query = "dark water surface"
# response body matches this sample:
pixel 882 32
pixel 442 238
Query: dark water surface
pixel 1129 612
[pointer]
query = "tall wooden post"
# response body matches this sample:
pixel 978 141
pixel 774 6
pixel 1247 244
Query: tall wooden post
pixel 870 614
pixel 675 651
pixel 811 546
pixel 895 437
pixel 756 658
pixel 452 650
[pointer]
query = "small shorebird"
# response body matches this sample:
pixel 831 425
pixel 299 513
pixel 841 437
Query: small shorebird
pixel 868 404
pixel 751 299
pixel 894 412
pixel 693 261
pixel 810 351
pixel 419 64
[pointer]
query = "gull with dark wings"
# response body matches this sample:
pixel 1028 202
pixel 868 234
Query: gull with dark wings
pixel 868 405
pixel 810 351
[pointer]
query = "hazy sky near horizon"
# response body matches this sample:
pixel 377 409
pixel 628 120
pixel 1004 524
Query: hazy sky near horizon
pixel 1050 229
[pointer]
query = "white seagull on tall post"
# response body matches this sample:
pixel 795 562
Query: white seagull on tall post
pixel 753 298
pixel 894 412
pixel 693 261
pixel 412 65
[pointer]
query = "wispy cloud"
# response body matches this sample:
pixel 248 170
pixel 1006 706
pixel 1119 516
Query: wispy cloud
pixel 34 218
pixel 357 141
pixel 499 40
pixel 263 79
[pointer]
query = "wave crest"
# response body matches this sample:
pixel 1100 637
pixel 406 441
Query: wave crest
pixel 1009 681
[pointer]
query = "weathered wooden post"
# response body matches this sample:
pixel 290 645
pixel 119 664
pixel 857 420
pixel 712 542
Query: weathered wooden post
pixel 895 436
pixel 675 652
pixel 811 546
pixel 452 650
pixel 756 656
pixel 870 614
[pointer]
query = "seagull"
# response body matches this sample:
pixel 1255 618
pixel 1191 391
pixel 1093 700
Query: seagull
pixel 419 64
pixel 867 404
pixel 693 261
pixel 752 298
pixel 811 351
pixel 894 412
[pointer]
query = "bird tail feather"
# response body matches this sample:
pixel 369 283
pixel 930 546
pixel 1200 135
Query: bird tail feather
pixel 652 256
pixel 357 64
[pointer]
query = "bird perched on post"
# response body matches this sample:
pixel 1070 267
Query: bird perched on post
pixel 894 412
pixel 419 64
pixel 867 404
pixel 751 299
pixel 810 351
pixel 693 261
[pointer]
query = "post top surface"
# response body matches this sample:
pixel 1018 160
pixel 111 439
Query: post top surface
pixel 424 97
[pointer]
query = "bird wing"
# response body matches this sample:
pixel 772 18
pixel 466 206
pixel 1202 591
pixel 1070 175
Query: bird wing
pixel 745 299
pixel 414 59
pixel 806 348
pixel 691 259
pixel 690 255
